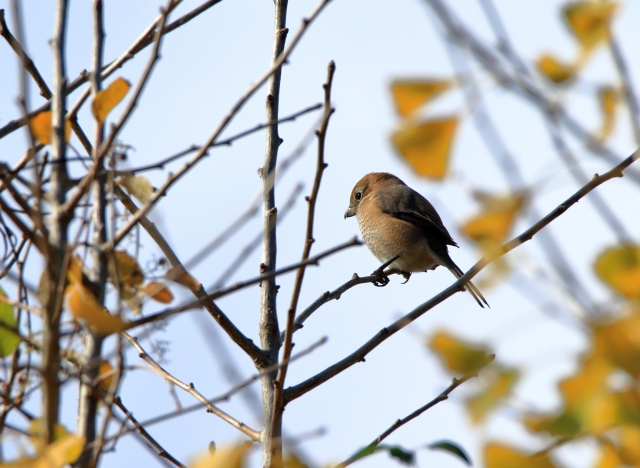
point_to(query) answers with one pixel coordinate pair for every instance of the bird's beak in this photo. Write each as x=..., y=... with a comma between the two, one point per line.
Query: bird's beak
x=350, y=212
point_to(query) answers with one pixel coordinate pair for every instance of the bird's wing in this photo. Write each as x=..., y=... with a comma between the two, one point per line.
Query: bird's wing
x=402, y=202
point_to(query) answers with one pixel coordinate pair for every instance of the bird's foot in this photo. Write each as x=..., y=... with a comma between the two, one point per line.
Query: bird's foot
x=382, y=278
x=406, y=275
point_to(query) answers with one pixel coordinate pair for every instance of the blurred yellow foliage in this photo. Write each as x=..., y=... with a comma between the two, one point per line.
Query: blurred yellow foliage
x=40, y=126
x=589, y=21
x=480, y=405
x=609, y=457
x=491, y=227
x=608, y=98
x=139, y=187
x=109, y=98
x=555, y=70
x=619, y=267
x=409, y=95
x=158, y=292
x=226, y=457
x=458, y=356
x=87, y=310
x=500, y=456
x=619, y=342
x=426, y=146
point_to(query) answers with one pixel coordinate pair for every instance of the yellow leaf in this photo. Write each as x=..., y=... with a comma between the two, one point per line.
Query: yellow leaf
x=500, y=388
x=630, y=445
x=226, y=457
x=589, y=405
x=74, y=270
x=109, y=98
x=139, y=187
x=491, y=227
x=158, y=292
x=183, y=278
x=426, y=146
x=60, y=453
x=457, y=355
x=619, y=267
x=608, y=456
x=619, y=342
x=499, y=456
x=128, y=271
x=554, y=69
x=411, y=94
x=105, y=375
x=608, y=98
x=86, y=309
x=589, y=21
x=40, y=126
x=36, y=430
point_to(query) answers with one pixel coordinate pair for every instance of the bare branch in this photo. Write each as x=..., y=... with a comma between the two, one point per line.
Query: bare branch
x=143, y=432
x=190, y=388
x=278, y=383
x=140, y=44
x=241, y=285
x=27, y=63
x=203, y=151
x=401, y=422
x=105, y=145
x=234, y=333
x=358, y=355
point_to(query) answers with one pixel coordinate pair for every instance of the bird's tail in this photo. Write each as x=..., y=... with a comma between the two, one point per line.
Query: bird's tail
x=470, y=287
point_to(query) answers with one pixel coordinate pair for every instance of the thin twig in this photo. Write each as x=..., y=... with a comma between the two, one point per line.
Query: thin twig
x=105, y=146
x=27, y=63
x=143, y=432
x=278, y=383
x=401, y=422
x=203, y=151
x=253, y=209
x=227, y=142
x=241, y=285
x=359, y=355
x=521, y=85
x=140, y=44
x=247, y=345
x=631, y=97
x=244, y=254
x=190, y=388
x=226, y=396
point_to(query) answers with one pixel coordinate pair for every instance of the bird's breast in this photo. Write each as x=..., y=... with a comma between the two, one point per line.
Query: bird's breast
x=386, y=237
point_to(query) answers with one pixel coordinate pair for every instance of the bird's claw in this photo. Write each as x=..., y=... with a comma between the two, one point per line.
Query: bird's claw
x=383, y=278
x=379, y=272
x=406, y=276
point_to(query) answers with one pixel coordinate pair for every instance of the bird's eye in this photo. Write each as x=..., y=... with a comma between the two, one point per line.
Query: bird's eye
x=358, y=195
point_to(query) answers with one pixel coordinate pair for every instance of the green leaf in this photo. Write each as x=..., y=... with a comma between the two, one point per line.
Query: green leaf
x=401, y=454
x=405, y=456
x=452, y=448
x=8, y=340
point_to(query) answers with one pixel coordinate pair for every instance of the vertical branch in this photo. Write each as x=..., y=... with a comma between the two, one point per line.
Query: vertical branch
x=627, y=86
x=58, y=230
x=269, y=330
x=278, y=403
x=88, y=400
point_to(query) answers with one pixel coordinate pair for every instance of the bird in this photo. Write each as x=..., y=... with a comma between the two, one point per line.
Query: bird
x=397, y=222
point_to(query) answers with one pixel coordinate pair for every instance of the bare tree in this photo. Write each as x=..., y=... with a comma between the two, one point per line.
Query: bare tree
x=77, y=217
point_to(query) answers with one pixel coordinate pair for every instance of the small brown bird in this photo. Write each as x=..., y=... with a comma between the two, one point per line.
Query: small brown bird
x=395, y=220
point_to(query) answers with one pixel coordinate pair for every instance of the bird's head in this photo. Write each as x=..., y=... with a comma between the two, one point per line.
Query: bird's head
x=366, y=187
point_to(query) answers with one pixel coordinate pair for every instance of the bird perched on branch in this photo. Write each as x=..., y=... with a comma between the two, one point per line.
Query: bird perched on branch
x=395, y=220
